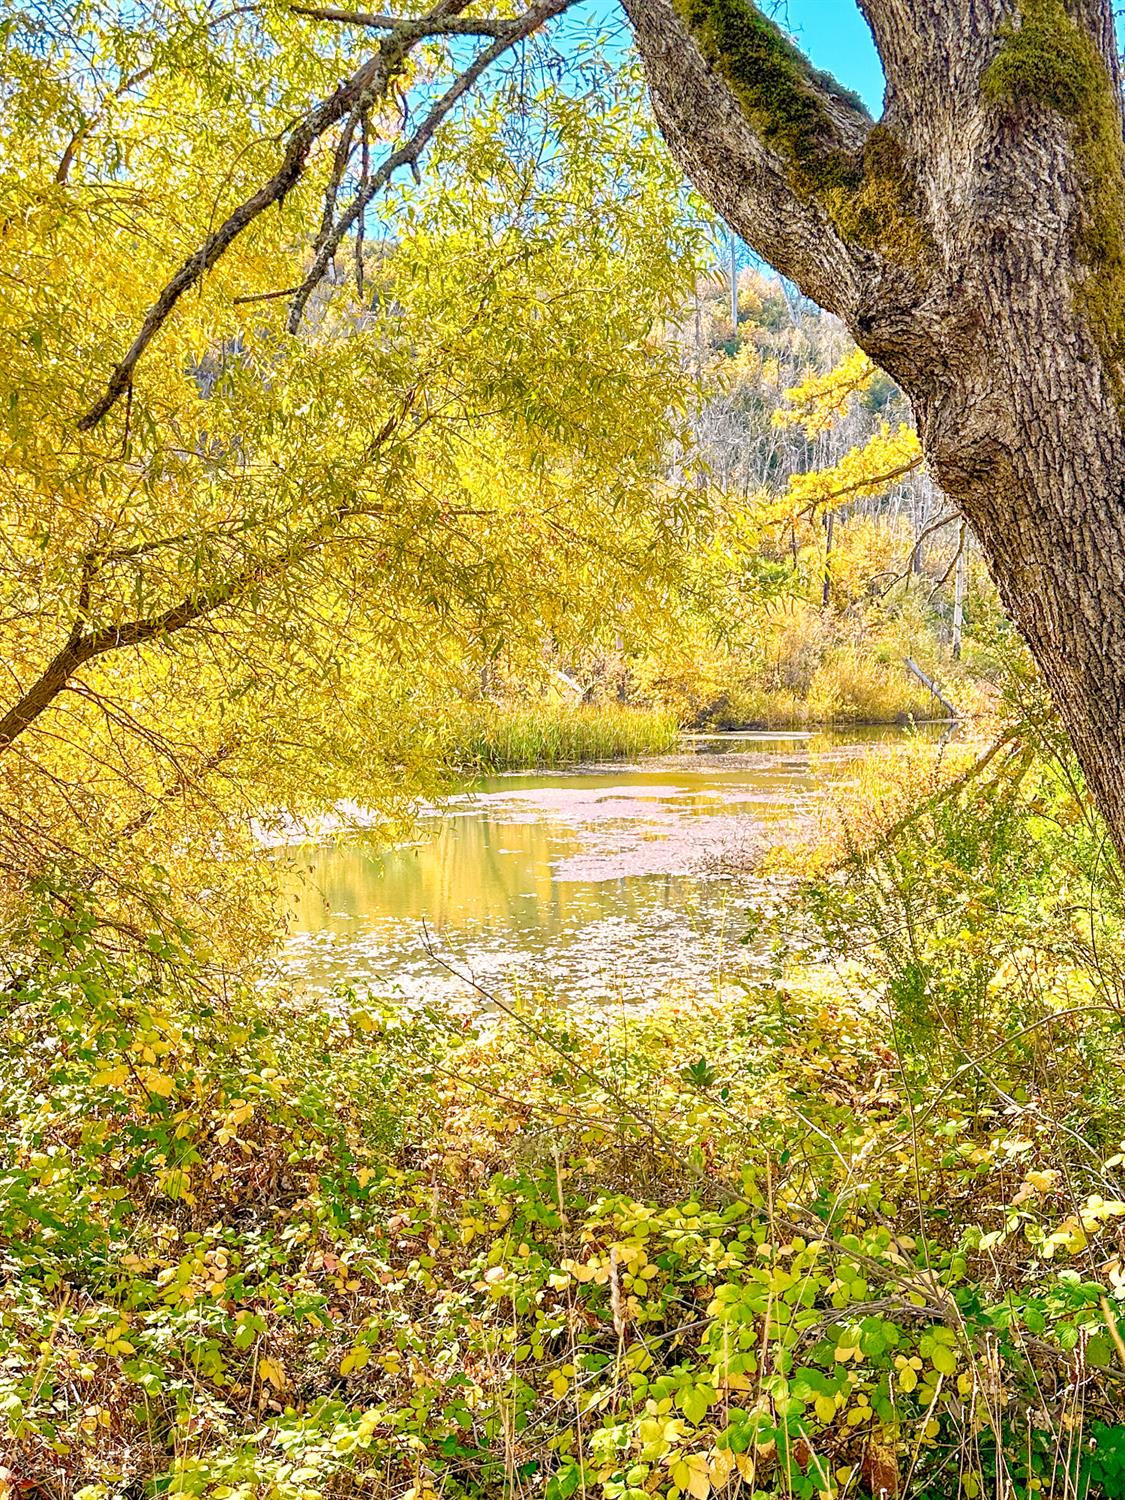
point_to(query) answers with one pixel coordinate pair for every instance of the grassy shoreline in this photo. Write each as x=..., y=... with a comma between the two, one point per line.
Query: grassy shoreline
x=497, y=737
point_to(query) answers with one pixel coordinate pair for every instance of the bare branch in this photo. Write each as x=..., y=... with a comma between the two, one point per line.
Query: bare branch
x=285, y=291
x=896, y=578
x=339, y=166
x=454, y=26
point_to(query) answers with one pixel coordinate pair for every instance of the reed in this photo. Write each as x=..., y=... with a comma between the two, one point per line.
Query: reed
x=501, y=737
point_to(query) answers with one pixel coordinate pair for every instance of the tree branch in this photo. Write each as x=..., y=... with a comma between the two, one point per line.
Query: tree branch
x=455, y=26
x=354, y=98
x=83, y=645
x=888, y=476
x=179, y=789
x=369, y=82
x=775, y=145
x=408, y=153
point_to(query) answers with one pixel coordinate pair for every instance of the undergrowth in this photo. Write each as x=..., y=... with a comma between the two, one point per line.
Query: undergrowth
x=805, y=666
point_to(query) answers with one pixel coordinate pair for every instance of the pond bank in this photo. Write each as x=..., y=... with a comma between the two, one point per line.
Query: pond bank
x=499, y=737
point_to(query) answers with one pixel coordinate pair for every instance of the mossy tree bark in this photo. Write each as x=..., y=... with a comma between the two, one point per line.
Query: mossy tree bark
x=973, y=241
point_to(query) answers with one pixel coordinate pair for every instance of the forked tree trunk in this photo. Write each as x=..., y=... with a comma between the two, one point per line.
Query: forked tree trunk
x=973, y=242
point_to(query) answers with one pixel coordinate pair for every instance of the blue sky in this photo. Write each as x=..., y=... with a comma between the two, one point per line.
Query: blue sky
x=835, y=36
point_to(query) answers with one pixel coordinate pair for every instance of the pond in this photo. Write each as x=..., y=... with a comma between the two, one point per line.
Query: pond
x=607, y=881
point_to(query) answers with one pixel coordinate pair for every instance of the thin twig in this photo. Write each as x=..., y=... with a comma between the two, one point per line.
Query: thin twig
x=455, y=26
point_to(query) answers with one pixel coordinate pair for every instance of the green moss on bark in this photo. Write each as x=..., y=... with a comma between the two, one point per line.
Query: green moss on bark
x=869, y=196
x=775, y=87
x=1046, y=58
x=881, y=211
x=1050, y=61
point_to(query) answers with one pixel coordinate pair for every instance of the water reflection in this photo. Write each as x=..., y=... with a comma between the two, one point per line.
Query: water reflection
x=600, y=881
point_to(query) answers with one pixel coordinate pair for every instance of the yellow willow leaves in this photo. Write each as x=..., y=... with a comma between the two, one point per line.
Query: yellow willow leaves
x=338, y=529
x=864, y=471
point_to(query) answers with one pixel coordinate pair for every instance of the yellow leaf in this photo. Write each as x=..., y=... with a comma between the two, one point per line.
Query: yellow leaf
x=691, y=1474
x=111, y=1077
x=720, y=1467
x=869, y=469
x=699, y=1484
x=176, y=1183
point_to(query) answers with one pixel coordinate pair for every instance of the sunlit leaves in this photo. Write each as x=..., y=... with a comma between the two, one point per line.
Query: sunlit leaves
x=871, y=469
x=819, y=400
x=452, y=472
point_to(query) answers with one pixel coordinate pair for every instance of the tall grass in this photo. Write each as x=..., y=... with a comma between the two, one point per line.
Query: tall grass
x=802, y=665
x=499, y=737
x=848, y=686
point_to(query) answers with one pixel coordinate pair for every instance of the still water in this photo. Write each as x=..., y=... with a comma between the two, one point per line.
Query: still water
x=606, y=881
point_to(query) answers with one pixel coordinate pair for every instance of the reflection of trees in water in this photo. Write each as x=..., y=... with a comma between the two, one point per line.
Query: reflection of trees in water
x=569, y=875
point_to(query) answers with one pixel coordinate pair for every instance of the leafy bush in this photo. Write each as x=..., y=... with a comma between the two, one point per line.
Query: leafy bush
x=795, y=665
x=254, y=1248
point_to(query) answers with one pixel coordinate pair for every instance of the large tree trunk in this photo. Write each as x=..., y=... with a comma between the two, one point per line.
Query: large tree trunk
x=973, y=243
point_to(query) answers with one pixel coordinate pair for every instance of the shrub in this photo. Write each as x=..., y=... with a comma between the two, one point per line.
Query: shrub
x=260, y=1249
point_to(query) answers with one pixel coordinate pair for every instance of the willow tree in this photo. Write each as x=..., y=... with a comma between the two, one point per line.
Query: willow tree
x=973, y=241
x=259, y=580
